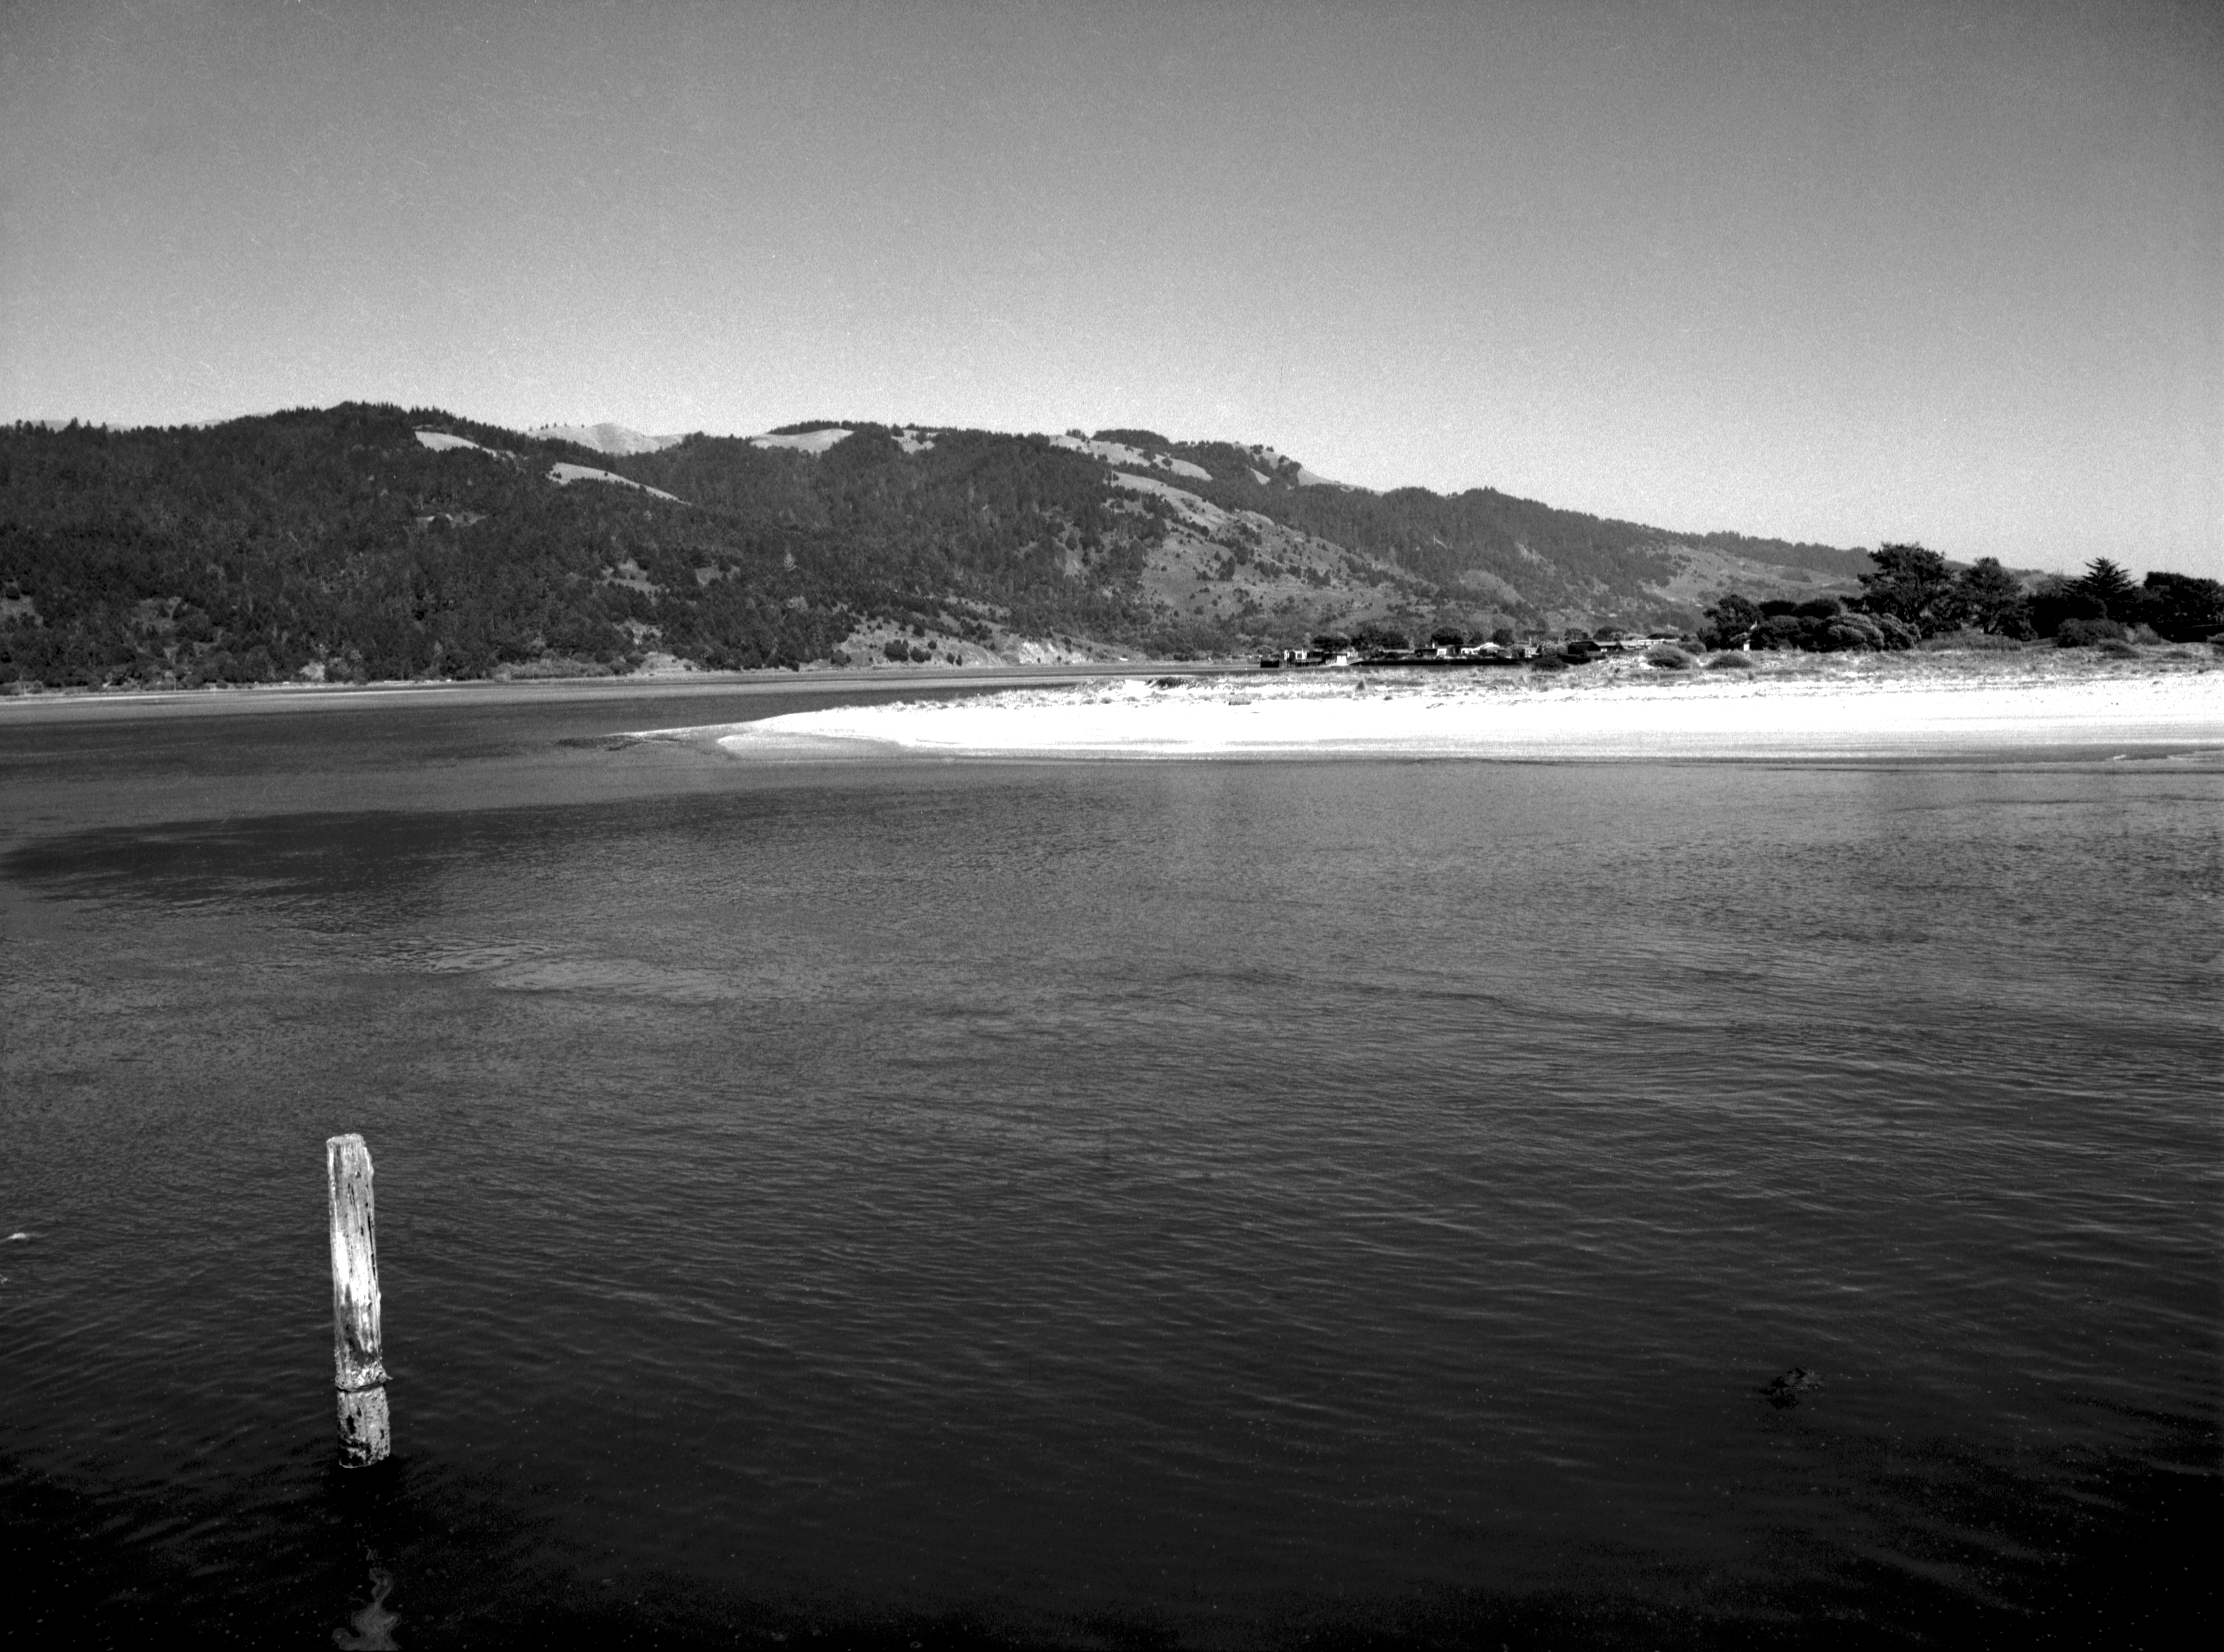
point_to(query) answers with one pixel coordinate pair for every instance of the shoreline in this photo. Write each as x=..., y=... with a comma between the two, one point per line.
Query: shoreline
x=56, y=706
x=1856, y=709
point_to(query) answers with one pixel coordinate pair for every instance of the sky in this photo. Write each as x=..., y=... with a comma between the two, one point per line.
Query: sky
x=1849, y=272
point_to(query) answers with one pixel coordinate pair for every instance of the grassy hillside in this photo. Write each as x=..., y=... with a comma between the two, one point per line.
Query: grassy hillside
x=337, y=543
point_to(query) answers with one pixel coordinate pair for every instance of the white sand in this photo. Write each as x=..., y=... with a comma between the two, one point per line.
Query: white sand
x=1510, y=715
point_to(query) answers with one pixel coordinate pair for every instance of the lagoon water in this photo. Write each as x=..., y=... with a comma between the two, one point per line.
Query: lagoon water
x=1217, y=1204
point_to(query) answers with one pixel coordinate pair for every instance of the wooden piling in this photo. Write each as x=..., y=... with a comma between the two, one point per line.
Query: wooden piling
x=358, y=1364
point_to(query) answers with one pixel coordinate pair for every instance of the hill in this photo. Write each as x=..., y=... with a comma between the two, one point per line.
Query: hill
x=604, y=438
x=372, y=542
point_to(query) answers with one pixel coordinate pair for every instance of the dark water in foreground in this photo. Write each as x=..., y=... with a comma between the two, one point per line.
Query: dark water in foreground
x=1211, y=1204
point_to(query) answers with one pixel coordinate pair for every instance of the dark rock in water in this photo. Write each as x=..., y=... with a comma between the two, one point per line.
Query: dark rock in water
x=1786, y=1390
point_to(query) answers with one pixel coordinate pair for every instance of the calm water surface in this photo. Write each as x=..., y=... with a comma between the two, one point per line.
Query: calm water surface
x=1111, y=1204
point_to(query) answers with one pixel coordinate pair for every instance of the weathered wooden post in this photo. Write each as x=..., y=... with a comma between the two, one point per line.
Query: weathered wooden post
x=358, y=1368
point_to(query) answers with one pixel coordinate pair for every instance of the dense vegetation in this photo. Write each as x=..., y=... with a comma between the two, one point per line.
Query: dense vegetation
x=1909, y=594
x=335, y=543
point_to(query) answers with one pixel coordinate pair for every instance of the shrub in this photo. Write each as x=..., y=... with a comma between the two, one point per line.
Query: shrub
x=839, y=657
x=2055, y=603
x=1549, y=662
x=895, y=649
x=1668, y=657
x=1845, y=633
x=2084, y=633
x=1733, y=662
x=2112, y=646
x=1982, y=641
x=921, y=656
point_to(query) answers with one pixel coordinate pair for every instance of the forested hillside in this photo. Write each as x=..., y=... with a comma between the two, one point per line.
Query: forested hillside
x=366, y=542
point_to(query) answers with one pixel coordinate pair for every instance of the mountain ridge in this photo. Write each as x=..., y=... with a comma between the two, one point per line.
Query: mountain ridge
x=605, y=438
x=368, y=539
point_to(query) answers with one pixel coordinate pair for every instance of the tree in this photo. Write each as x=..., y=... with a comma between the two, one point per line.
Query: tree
x=2055, y=599
x=2182, y=607
x=2107, y=583
x=1909, y=583
x=1730, y=621
x=1987, y=596
x=1447, y=636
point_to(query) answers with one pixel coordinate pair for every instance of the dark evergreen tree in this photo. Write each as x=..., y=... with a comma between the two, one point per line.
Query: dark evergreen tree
x=2055, y=600
x=2107, y=584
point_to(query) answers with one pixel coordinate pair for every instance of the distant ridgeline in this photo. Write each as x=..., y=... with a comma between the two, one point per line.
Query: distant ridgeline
x=365, y=542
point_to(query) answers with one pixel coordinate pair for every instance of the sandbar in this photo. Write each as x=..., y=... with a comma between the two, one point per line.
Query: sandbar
x=1874, y=708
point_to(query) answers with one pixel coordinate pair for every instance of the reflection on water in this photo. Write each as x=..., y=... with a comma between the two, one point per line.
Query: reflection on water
x=370, y=1628
x=1181, y=1203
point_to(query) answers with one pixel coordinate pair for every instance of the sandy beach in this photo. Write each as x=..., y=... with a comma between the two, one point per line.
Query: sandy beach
x=1786, y=708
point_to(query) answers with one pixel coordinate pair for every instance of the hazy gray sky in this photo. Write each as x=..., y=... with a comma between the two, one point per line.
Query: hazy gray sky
x=1846, y=271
